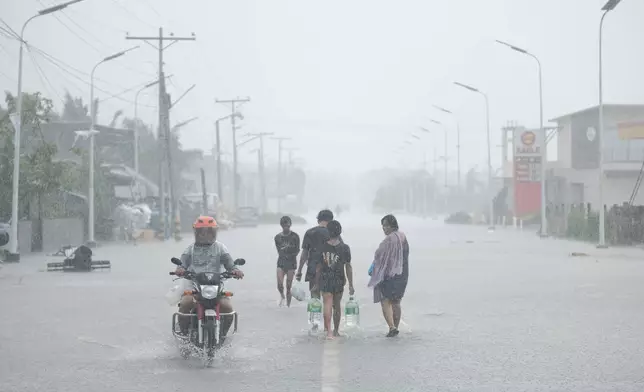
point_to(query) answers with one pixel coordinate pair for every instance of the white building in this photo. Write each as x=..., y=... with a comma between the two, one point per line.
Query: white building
x=574, y=176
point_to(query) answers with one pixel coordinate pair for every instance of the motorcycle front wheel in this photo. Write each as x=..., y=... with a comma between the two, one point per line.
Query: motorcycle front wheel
x=209, y=343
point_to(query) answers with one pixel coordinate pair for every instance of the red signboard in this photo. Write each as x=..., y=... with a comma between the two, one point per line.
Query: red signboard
x=528, y=147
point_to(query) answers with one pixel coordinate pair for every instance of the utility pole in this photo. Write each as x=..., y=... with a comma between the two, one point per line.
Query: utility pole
x=279, y=171
x=170, y=173
x=164, y=115
x=233, y=103
x=290, y=155
x=424, y=178
x=260, y=170
x=458, y=154
x=204, y=192
x=262, y=176
x=220, y=189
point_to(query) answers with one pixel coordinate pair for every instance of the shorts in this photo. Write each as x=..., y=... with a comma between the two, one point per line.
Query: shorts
x=287, y=267
x=393, y=288
x=331, y=283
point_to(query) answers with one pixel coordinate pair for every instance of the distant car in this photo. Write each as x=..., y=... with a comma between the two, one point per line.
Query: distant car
x=4, y=234
x=246, y=217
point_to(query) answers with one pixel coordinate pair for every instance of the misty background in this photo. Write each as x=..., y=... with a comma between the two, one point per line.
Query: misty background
x=347, y=80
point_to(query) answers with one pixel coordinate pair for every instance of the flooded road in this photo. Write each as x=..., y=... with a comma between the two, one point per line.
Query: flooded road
x=500, y=311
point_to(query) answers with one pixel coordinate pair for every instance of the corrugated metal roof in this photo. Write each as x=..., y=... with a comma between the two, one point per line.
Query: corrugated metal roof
x=594, y=108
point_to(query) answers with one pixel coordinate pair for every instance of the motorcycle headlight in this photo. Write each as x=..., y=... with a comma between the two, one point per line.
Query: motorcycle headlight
x=209, y=292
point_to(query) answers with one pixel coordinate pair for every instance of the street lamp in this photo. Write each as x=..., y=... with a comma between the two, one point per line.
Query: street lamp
x=445, y=139
x=609, y=6
x=90, y=241
x=13, y=254
x=544, y=152
x=458, y=143
x=489, y=150
x=434, y=159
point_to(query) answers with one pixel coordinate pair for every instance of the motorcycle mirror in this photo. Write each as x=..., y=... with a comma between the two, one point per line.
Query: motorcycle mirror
x=240, y=262
x=175, y=261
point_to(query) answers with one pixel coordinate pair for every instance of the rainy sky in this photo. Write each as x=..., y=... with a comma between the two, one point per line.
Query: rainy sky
x=348, y=81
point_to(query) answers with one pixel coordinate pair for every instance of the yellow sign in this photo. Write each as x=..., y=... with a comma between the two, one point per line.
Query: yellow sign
x=631, y=130
x=528, y=138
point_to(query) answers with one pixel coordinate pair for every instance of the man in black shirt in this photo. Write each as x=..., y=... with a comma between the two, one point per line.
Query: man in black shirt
x=312, y=243
x=332, y=273
x=287, y=244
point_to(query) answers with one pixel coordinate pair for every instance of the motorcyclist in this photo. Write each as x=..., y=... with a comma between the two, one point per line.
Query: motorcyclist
x=206, y=254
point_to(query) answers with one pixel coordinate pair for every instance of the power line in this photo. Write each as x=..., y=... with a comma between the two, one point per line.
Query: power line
x=61, y=64
x=117, y=95
x=149, y=5
x=57, y=63
x=131, y=13
x=6, y=33
x=69, y=81
x=8, y=77
x=72, y=31
x=44, y=79
x=95, y=38
x=11, y=31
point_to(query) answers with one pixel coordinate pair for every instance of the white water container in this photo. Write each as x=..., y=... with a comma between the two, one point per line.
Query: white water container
x=173, y=296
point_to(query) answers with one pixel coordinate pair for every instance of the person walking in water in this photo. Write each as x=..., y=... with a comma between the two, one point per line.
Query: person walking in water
x=330, y=277
x=312, y=243
x=390, y=273
x=287, y=243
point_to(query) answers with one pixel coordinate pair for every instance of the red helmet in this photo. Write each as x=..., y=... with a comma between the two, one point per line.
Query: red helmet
x=205, y=222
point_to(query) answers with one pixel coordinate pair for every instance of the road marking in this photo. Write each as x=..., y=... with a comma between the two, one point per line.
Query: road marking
x=330, y=367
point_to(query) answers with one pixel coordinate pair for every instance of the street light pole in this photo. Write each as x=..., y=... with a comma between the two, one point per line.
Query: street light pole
x=458, y=143
x=279, y=171
x=262, y=176
x=544, y=147
x=91, y=242
x=489, y=150
x=434, y=160
x=445, y=147
x=609, y=6
x=13, y=254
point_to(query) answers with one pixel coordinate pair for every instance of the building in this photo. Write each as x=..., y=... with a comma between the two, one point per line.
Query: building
x=574, y=177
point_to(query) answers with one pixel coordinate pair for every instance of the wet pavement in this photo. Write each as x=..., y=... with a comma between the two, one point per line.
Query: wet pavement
x=502, y=311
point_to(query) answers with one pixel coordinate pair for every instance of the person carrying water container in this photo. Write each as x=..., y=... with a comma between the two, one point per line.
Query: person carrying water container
x=331, y=275
x=314, y=239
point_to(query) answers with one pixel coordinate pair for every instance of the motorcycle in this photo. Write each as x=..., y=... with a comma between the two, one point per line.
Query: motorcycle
x=204, y=332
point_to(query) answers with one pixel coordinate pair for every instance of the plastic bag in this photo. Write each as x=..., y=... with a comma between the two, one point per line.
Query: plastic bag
x=298, y=292
x=173, y=296
x=371, y=268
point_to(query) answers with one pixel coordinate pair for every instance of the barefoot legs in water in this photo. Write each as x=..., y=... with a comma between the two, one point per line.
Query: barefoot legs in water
x=289, y=284
x=337, y=312
x=397, y=312
x=280, y=284
x=388, y=313
x=327, y=299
